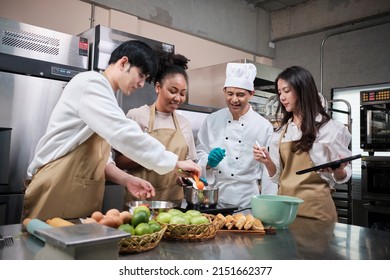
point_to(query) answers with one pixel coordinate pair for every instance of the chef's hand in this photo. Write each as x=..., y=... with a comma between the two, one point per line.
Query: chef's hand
x=186, y=168
x=215, y=157
x=140, y=188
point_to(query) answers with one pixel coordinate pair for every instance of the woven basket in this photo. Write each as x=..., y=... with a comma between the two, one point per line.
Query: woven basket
x=142, y=243
x=193, y=232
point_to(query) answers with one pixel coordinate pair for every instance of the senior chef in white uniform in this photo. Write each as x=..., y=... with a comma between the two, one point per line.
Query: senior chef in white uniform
x=226, y=140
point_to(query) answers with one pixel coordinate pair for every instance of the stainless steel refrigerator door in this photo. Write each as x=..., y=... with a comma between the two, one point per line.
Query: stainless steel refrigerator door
x=25, y=106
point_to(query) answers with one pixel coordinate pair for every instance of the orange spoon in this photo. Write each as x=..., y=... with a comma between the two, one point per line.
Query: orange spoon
x=199, y=184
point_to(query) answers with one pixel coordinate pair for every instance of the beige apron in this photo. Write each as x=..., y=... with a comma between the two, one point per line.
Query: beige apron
x=310, y=187
x=166, y=185
x=71, y=186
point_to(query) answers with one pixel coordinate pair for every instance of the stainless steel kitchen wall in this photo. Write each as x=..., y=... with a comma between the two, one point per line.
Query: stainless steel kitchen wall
x=103, y=41
x=206, y=84
x=35, y=65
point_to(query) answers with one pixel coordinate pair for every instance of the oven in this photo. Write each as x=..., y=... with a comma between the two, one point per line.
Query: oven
x=375, y=192
x=375, y=120
x=375, y=178
x=375, y=169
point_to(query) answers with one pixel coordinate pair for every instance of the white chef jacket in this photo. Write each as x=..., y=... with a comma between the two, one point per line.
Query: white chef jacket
x=331, y=142
x=237, y=174
x=87, y=105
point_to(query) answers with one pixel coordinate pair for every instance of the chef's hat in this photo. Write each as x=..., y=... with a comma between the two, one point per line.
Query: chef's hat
x=240, y=75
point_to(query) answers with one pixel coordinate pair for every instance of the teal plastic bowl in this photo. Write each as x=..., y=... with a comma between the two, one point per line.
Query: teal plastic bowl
x=277, y=211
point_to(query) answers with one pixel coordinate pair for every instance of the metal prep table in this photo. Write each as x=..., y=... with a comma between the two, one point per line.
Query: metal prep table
x=304, y=239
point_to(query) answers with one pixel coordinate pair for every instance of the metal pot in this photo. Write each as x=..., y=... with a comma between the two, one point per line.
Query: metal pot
x=156, y=206
x=208, y=197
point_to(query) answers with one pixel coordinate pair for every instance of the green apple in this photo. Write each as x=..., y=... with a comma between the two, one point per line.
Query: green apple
x=198, y=220
x=175, y=212
x=179, y=220
x=164, y=218
x=193, y=213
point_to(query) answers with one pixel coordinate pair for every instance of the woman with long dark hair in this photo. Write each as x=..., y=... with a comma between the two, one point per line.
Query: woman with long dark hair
x=307, y=136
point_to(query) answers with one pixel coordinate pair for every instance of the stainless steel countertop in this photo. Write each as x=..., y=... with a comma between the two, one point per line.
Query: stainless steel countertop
x=304, y=239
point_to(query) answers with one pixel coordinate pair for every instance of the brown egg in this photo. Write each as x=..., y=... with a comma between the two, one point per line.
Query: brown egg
x=108, y=221
x=118, y=220
x=126, y=216
x=113, y=212
x=97, y=216
x=89, y=221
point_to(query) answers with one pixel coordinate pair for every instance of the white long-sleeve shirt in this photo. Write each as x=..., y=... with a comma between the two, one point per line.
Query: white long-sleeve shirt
x=332, y=142
x=237, y=174
x=87, y=105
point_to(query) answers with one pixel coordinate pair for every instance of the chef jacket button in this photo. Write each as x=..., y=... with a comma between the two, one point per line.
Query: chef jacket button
x=226, y=138
x=236, y=157
x=219, y=172
x=229, y=121
x=232, y=175
x=239, y=141
x=242, y=124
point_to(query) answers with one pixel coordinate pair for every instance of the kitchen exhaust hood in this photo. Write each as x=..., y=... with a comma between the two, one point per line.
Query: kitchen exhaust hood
x=206, y=85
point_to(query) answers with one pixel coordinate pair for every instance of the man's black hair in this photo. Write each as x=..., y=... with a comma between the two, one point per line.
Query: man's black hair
x=139, y=54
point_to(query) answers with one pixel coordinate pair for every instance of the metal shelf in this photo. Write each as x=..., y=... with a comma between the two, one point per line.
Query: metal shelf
x=342, y=197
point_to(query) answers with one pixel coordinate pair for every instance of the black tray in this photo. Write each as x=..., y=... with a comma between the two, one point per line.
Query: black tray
x=333, y=164
x=225, y=209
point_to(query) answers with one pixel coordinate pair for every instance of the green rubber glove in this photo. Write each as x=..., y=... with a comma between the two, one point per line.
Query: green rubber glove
x=215, y=157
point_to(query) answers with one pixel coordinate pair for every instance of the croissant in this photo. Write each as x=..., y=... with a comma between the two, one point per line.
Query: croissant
x=257, y=225
x=230, y=221
x=240, y=220
x=249, y=221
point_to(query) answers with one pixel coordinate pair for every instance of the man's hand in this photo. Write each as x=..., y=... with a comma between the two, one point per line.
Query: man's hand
x=215, y=157
x=186, y=168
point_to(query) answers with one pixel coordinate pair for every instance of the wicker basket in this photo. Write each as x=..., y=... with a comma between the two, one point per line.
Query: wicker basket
x=193, y=232
x=142, y=243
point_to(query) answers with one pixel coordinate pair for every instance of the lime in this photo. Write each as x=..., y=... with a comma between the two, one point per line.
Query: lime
x=142, y=208
x=127, y=228
x=155, y=226
x=143, y=228
x=139, y=217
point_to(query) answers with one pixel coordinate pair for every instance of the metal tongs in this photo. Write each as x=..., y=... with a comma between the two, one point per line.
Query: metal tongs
x=191, y=182
x=6, y=240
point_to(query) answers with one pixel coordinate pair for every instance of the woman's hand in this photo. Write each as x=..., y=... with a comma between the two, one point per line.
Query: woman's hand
x=261, y=155
x=338, y=173
x=140, y=188
x=136, y=186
